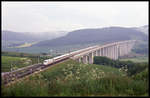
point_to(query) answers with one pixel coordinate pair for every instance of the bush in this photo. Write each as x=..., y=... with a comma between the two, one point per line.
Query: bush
x=133, y=68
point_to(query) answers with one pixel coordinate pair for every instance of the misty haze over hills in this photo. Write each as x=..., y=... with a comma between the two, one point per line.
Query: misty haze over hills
x=143, y=29
x=10, y=38
x=29, y=36
x=81, y=36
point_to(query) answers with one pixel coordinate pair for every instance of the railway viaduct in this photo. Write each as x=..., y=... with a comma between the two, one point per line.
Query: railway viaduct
x=86, y=55
x=112, y=51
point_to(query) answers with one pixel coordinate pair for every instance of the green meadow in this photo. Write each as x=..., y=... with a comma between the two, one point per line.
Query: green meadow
x=137, y=59
x=71, y=78
x=16, y=62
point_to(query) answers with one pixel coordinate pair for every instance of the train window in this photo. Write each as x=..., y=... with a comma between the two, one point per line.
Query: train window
x=45, y=61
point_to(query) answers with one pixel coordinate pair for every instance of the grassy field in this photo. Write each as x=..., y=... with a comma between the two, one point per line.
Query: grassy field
x=76, y=79
x=17, y=62
x=26, y=45
x=136, y=59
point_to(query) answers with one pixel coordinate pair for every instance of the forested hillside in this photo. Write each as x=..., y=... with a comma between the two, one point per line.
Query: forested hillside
x=103, y=35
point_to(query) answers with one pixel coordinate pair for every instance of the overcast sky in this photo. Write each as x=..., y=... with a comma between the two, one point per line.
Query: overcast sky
x=57, y=16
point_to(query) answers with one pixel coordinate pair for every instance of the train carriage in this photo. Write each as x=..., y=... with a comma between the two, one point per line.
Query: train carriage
x=56, y=59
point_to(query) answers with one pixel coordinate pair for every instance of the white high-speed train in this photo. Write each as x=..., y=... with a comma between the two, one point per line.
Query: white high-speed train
x=56, y=59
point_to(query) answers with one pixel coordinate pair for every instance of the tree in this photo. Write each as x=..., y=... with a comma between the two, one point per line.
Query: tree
x=44, y=53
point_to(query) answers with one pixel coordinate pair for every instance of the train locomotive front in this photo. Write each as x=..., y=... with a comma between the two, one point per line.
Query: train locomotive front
x=56, y=59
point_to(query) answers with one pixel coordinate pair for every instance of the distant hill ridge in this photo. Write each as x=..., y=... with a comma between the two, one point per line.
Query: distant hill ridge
x=143, y=29
x=83, y=36
x=29, y=36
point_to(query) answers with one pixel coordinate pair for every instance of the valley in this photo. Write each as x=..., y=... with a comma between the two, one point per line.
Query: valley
x=69, y=41
x=105, y=77
x=76, y=49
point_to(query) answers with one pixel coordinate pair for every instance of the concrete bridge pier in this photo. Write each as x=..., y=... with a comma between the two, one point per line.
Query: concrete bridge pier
x=98, y=54
x=125, y=49
x=85, y=61
x=109, y=52
x=113, y=51
x=117, y=50
x=113, y=56
x=121, y=50
x=105, y=51
x=79, y=60
x=91, y=57
x=94, y=53
x=101, y=51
